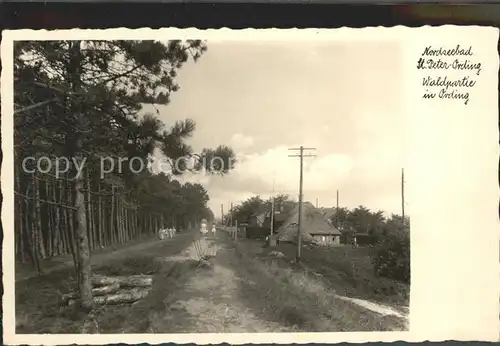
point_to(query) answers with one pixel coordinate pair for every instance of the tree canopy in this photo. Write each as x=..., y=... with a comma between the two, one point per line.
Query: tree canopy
x=256, y=205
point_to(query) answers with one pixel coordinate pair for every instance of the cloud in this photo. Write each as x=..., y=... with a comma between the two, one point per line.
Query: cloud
x=360, y=179
x=241, y=142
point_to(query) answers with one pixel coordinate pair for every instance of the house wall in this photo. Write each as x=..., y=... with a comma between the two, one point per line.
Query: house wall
x=254, y=222
x=333, y=239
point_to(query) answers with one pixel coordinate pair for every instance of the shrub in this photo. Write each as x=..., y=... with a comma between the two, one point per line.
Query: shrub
x=391, y=256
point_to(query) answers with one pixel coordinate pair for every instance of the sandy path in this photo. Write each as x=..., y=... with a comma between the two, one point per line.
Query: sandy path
x=375, y=307
x=402, y=311
x=209, y=303
x=380, y=309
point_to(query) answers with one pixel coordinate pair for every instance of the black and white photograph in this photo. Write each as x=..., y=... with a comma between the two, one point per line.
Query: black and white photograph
x=193, y=186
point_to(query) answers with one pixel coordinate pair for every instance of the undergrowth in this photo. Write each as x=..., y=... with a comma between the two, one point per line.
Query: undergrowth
x=278, y=291
x=349, y=271
x=38, y=299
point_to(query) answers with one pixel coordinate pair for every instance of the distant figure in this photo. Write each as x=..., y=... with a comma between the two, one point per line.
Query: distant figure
x=203, y=228
x=213, y=230
x=162, y=233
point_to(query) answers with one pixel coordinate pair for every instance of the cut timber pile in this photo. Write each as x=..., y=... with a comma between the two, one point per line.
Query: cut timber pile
x=115, y=289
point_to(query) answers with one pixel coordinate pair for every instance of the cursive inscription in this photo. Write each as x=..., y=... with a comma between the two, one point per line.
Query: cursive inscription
x=441, y=60
x=441, y=51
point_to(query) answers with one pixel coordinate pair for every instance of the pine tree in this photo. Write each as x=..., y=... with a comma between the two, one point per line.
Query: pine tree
x=83, y=100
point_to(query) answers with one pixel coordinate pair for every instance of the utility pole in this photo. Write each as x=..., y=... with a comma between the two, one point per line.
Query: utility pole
x=222, y=215
x=236, y=233
x=337, y=211
x=272, y=205
x=403, y=194
x=301, y=155
x=316, y=202
x=231, y=213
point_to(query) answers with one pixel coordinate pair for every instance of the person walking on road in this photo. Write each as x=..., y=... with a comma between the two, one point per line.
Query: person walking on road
x=203, y=228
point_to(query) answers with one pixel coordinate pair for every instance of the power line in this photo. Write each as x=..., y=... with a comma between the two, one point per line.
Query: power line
x=301, y=156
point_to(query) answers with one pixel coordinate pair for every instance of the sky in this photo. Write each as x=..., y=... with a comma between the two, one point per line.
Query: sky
x=261, y=98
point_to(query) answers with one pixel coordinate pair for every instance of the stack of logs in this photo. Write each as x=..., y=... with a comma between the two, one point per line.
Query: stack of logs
x=115, y=289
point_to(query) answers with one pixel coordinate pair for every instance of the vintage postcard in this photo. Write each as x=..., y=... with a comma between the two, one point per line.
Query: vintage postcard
x=250, y=186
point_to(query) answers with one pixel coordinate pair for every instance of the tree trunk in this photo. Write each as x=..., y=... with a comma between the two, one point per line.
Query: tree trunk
x=90, y=238
x=123, y=281
x=125, y=222
x=98, y=291
x=84, y=267
x=125, y=297
x=121, y=230
x=112, y=218
x=50, y=213
x=71, y=227
x=135, y=225
x=19, y=227
x=106, y=222
x=38, y=219
x=67, y=233
x=117, y=220
x=57, y=220
x=19, y=232
x=100, y=220
x=34, y=223
x=93, y=227
x=30, y=239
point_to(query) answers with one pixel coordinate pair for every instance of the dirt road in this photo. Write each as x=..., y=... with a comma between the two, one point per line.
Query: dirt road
x=209, y=302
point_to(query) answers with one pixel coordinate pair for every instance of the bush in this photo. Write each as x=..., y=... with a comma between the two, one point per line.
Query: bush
x=391, y=257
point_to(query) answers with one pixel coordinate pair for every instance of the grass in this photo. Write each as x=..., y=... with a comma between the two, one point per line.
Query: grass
x=349, y=271
x=25, y=270
x=38, y=299
x=280, y=292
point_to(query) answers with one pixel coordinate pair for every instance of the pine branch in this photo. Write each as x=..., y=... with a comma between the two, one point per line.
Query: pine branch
x=111, y=79
x=36, y=105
